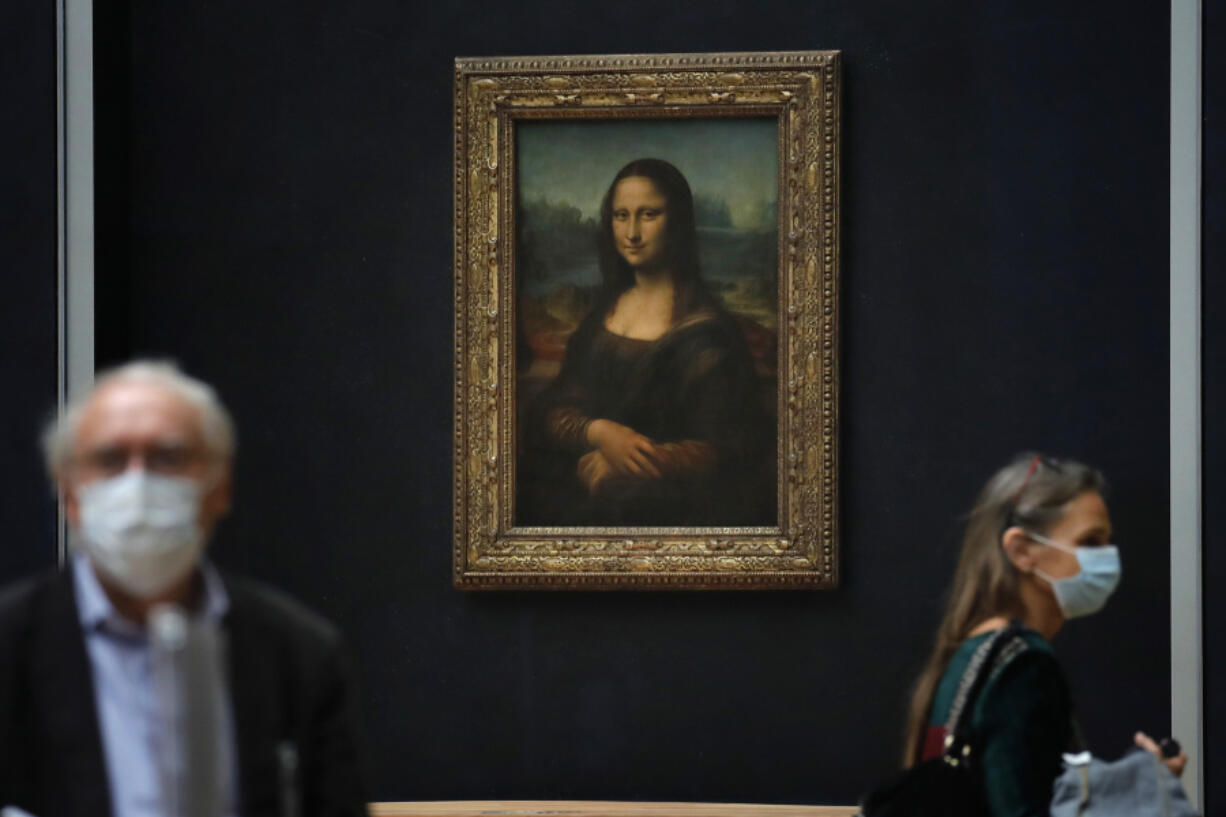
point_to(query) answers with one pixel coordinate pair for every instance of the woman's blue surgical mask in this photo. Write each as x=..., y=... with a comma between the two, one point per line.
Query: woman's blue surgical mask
x=1088, y=590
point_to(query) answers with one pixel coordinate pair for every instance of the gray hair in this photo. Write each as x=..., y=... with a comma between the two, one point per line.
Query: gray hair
x=1033, y=490
x=216, y=425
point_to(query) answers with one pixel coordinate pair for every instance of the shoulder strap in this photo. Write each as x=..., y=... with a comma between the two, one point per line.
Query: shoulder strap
x=991, y=657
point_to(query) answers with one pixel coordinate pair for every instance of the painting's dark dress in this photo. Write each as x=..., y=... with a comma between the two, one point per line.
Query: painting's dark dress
x=693, y=392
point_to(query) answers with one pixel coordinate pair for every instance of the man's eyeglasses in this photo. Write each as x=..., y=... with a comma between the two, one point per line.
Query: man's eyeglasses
x=170, y=459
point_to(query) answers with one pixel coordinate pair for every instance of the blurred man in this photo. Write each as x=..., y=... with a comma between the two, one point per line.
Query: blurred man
x=144, y=463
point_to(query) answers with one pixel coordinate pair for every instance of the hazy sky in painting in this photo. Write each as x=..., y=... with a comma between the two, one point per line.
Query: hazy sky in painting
x=574, y=161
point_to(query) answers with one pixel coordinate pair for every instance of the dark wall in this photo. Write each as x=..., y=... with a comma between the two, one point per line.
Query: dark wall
x=275, y=202
x=1213, y=369
x=28, y=327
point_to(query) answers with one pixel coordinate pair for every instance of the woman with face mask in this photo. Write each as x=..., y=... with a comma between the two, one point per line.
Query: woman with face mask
x=1036, y=551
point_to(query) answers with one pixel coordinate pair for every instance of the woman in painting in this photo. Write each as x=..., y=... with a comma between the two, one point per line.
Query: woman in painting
x=656, y=416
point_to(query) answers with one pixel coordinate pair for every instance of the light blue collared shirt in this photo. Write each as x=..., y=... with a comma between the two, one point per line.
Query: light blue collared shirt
x=122, y=663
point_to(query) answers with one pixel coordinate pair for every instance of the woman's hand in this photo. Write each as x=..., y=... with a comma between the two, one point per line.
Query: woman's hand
x=625, y=451
x=594, y=471
x=1175, y=764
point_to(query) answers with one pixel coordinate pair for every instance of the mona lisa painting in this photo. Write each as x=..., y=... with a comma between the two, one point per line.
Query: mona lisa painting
x=646, y=321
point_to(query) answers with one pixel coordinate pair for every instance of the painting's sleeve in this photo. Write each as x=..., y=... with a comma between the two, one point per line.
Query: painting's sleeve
x=566, y=426
x=561, y=414
x=685, y=458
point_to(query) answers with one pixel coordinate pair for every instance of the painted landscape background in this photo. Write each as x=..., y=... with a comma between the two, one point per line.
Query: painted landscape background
x=564, y=169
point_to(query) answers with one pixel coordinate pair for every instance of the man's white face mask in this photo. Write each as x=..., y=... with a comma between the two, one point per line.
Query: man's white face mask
x=142, y=530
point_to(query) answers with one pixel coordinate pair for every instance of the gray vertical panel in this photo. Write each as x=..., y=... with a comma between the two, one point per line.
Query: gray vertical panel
x=61, y=247
x=76, y=128
x=1186, y=673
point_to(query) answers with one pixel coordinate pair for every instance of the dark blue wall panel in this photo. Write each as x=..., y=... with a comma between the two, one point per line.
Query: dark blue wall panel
x=28, y=327
x=278, y=217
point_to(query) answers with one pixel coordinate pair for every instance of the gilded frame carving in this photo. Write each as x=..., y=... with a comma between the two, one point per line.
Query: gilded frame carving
x=802, y=91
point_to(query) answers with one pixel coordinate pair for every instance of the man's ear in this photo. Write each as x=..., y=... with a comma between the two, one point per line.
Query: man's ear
x=1019, y=548
x=72, y=506
x=67, y=485
x=218, y=497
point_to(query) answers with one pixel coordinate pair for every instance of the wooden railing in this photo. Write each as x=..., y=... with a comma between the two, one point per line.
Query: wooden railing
x=591, y=808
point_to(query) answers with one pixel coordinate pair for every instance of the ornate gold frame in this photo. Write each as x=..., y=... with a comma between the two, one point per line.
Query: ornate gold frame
x=802, y=89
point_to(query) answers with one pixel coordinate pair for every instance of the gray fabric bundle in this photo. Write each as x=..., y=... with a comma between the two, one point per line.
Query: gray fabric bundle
x=1136, y=785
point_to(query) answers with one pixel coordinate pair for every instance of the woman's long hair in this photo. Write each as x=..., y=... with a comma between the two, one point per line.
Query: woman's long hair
x=1032, y=492
x=680, y=241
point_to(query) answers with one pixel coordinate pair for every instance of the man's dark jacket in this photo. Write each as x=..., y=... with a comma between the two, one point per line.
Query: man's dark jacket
x=288, y=682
